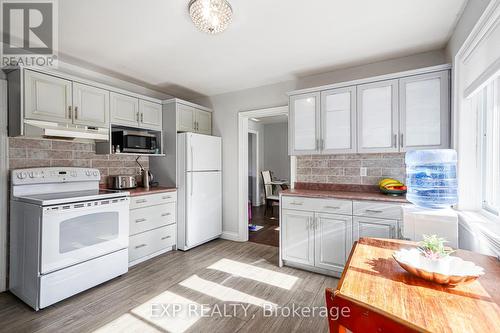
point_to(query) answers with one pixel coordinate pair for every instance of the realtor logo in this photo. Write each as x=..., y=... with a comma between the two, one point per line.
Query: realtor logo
x=29, y=32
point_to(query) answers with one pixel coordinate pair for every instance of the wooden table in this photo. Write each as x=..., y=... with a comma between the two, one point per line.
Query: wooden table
x=382, y=297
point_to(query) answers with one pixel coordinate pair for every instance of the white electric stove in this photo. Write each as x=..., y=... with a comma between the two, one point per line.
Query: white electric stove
x=66, y=234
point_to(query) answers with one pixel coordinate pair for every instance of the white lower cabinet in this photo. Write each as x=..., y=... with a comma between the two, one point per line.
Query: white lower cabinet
x=298, y=236
x=333, y=241
x=314, y=238
x=152, y=225
x=372, y=227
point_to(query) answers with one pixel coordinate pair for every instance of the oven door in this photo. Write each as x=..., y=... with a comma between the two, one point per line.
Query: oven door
x=74, y=233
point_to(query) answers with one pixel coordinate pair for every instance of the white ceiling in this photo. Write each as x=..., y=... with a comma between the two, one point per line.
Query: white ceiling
x=154, y=42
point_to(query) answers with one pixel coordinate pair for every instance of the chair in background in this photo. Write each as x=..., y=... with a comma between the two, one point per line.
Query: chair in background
x=272, y=200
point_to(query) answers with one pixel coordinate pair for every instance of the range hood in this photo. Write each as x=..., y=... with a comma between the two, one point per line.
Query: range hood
x=46, y=129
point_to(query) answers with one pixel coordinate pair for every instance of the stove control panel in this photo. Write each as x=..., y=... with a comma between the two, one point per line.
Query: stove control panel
x=54, y=175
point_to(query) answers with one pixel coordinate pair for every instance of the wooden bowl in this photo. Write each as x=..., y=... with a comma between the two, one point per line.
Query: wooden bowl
x=446, y=271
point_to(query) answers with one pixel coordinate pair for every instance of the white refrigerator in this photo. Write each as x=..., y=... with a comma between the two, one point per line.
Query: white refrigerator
x=199, y=183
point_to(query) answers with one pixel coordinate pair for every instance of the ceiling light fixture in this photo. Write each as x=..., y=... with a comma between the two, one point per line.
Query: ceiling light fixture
x=211, y=16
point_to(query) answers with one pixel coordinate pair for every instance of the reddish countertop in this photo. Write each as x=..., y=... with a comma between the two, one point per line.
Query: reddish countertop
x=349, y=192
x=152, y=190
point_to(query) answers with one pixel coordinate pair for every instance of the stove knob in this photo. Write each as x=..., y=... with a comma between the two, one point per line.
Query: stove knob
x=96, y=173
x=87, y=173
x=31, y=174
x=22, y=175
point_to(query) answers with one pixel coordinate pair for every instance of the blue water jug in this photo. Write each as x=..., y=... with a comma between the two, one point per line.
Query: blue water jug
x=431, y=178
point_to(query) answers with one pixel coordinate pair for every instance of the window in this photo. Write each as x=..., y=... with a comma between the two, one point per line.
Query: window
x=488, y=105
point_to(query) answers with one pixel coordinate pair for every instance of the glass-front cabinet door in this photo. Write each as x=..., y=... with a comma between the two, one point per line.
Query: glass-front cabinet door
x=425, y=111
x=304, y=123
x=338, y=119
x=378, y=126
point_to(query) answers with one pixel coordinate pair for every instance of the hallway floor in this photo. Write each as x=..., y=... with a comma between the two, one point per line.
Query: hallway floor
x=269, y=235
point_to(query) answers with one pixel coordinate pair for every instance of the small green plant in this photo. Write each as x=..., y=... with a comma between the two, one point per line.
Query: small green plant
x=433, y=247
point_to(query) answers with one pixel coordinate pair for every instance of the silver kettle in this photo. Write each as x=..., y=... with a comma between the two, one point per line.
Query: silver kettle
x=147, y=178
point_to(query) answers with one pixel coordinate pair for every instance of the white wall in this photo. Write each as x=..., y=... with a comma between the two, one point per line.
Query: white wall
x=227, y=106
x=276, y=157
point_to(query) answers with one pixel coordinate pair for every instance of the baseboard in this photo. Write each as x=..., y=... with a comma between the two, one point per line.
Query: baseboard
x=232, y=236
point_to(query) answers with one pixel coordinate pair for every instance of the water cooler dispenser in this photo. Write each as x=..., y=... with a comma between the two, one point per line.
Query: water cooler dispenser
x=432, y=188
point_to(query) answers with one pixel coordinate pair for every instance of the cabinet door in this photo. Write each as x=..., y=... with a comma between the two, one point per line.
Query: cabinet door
x=47, y=97
x=338, y=119
x=124, y=110
x=203, y=122
x=185, y=118
x=333, y=241
x=425, y=111
x=91, y=105
x=378, y=125
x=150, y=115
x=375, y=228
x=297, y=237
x=304, y=129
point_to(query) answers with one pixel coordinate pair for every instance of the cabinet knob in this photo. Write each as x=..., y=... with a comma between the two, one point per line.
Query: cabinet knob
x=76, y=112
x=139, y=246
x=140, y=220
x=165, y=214
x=166, y=237
x=373, y=211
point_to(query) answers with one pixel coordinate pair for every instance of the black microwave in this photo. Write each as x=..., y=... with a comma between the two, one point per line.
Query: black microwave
x=135, y=142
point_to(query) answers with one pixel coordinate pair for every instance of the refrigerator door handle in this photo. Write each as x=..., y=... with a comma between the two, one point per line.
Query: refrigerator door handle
x=191, y=183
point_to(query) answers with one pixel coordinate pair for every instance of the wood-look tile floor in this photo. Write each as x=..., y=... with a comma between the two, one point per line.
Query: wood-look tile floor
x=220, y=273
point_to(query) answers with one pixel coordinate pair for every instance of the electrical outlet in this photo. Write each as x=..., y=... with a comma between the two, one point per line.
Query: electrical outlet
x=363, y=172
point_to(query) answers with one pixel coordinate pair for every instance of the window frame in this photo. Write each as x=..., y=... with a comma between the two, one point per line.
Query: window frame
x=490, y=90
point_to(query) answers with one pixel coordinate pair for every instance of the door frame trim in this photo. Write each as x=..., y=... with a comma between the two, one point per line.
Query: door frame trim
x=243, y=117
x=4, y=170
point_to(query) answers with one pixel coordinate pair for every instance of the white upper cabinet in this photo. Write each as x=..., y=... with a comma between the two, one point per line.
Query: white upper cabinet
x=425, y=112
x=203, y=122
x=333, y=241
x=304, y=127
x=378, y=125
x=124, y=110
x=338, y=120
x=191, y=119
x=47, y=97
x=185, y=118
x=90, y=105
x=397, y=114
x=150, y=115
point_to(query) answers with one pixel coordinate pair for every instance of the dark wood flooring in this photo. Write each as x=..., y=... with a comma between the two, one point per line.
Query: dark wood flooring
x=219, y=273
x=268, y=235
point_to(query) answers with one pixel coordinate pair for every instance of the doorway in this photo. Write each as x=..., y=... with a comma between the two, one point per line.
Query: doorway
x=253, y=149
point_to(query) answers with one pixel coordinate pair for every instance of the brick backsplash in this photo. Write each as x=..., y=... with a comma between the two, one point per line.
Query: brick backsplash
x=30, y=153
x=346, y=168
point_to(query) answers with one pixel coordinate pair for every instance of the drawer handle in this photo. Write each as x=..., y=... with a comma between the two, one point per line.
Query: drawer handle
x=166, y=237
x=373, y=211
x=140, y=220
x=141, y=201
x=166, y=197
x=296, y=203
x=165, y=214
x=332, y=207
x=139, y=246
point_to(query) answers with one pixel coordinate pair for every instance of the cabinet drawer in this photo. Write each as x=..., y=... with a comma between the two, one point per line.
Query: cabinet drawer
x=143, y=219
x=152, y=199
x=377, y=210
x=335, y=206
x=152, y=241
